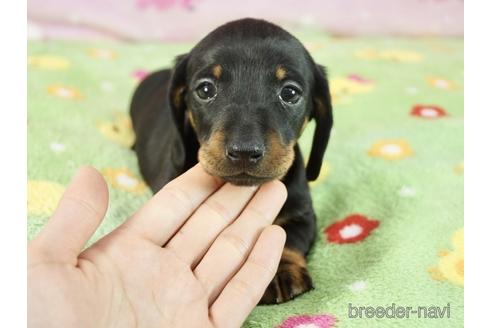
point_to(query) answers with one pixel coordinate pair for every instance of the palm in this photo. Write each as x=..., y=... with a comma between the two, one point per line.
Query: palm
x=165, y=280
x=215, y=264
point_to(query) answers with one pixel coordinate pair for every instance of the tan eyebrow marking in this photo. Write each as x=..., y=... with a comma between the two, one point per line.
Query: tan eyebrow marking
x=280, y=73
x=217, y=71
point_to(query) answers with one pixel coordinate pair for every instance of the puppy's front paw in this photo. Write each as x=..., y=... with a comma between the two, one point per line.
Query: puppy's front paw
x=291, y=280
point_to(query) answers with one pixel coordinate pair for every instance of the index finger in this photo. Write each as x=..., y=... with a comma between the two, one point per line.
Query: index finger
x=164, y=213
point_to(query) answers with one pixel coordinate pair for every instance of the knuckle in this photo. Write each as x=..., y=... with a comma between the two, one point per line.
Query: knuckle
x=264, y=269
x=236, y=242
x=247, y=292
x=180, y=196
x=260, y=216
x=83, y=205
x=217, y=209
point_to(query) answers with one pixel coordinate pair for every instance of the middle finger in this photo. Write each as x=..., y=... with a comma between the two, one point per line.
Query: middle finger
x=193, y=239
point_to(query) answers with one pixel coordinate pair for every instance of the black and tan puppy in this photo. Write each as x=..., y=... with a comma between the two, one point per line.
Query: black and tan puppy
x=237, y=103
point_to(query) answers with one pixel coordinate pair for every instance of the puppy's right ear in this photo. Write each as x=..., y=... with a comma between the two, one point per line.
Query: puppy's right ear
x=177, y=91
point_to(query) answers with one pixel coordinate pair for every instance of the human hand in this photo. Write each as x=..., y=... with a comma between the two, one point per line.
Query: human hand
x=220, y=252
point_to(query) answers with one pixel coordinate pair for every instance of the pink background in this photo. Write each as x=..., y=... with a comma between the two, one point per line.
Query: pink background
x=183, y=20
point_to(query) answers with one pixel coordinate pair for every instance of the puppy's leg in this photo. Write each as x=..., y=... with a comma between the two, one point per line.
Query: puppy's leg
x=299, y=222
x=292, y=277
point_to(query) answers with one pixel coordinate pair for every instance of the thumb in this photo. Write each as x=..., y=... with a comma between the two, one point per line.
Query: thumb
x=79, y=213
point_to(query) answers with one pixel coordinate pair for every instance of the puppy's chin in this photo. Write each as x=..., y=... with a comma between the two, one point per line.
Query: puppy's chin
x=239, y=179
x=246, y=180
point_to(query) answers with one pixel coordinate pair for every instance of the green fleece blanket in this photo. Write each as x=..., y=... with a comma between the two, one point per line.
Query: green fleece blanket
x=389, y=200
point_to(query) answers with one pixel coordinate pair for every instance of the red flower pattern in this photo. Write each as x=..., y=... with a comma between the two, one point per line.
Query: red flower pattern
x=352, y=229
x=428, y=111
x=309, y=321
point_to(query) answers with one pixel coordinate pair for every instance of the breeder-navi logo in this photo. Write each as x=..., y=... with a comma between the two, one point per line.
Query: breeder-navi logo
x=399, y=312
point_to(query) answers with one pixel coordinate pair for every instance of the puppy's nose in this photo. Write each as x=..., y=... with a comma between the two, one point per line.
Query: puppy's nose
x=248, y=154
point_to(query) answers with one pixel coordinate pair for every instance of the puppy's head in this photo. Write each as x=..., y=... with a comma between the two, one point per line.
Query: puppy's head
x=248, y=90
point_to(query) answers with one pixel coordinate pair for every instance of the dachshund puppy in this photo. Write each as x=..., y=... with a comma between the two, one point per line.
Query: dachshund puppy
x=237, y=103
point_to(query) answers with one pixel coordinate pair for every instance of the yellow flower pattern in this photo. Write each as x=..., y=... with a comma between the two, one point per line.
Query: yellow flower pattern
x=451, y=263
x=43, y=197
x=400, y=56
x=124, y=179
x=48, y=62
x=396, y=55
x=460, y=168
x=119, y=131
x=64, y=92
x=391, y=149
x=441, y=83
x=343, y=88
x=104, y=54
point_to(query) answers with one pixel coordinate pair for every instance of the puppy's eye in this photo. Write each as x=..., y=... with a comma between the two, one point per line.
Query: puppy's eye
x=206, y=90
x=290, y=94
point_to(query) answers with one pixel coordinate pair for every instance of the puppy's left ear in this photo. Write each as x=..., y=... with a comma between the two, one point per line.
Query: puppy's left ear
x=322, y=114
x=177, y=91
